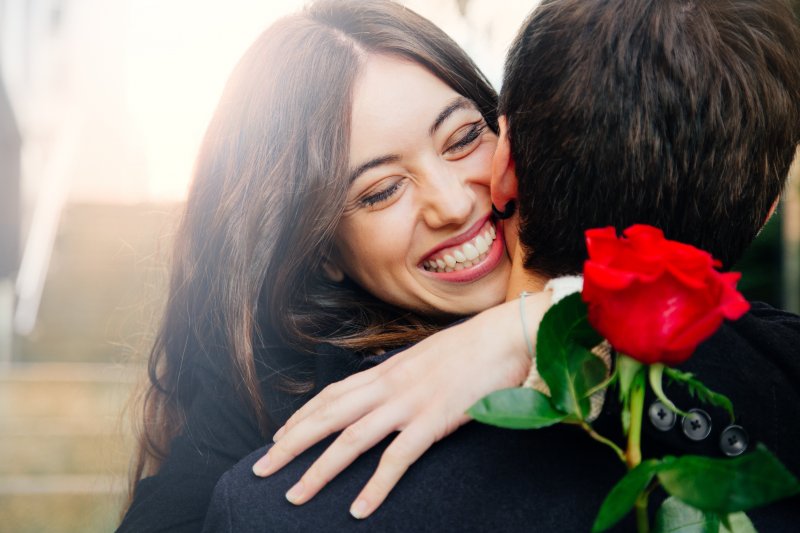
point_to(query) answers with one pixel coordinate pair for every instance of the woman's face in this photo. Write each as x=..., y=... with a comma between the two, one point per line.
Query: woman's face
x=417, y=230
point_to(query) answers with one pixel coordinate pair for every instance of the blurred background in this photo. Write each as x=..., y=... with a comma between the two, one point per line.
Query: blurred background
x=102, y=107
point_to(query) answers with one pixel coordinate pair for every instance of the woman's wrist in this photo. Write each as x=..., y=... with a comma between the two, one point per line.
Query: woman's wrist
x=532, y=309
x=508, y=336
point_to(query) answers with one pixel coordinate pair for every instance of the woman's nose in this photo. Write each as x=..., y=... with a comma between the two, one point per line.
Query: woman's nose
x=448, y=200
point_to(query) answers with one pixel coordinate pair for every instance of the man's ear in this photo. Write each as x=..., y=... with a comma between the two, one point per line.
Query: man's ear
x=332, y=271
x=504, y=176
x=772, y=209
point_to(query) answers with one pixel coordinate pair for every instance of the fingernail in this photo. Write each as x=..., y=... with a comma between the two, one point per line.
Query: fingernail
x=359, y=509
x=261, y=468
x=295, y=493
x=278, y=434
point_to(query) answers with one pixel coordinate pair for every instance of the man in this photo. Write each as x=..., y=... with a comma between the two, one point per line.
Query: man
x=681, y=114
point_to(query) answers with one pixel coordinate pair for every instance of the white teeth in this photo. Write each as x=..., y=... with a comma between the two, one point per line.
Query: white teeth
x=481, y=244
x=467, y=255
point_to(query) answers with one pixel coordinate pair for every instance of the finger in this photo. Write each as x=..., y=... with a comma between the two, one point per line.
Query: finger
x=354, y=440
x=326, y=396
x=325, y=421
x=342, y=387
x=409, y=445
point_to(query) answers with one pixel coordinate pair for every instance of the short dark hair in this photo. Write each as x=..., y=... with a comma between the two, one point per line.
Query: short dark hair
x=683, y=114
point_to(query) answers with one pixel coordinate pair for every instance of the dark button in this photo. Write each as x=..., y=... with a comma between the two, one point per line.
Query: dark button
x=733, y=441
x=662, y=418
x=697, y=425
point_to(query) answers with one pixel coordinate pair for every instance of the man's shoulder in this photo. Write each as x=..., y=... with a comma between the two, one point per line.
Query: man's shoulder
x=478, y=477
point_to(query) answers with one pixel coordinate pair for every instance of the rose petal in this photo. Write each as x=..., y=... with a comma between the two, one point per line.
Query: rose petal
x=692, y=278
x=602, y=244
x=643, y=231
x=733, y=304
x=682, y=346
x=605, y=277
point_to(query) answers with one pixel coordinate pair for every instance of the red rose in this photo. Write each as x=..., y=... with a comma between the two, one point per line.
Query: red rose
x=654, y=299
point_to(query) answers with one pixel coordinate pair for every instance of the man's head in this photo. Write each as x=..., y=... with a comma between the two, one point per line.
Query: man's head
x=683, y=114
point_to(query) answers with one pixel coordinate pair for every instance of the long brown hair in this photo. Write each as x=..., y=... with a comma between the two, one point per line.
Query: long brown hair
x=268, y=191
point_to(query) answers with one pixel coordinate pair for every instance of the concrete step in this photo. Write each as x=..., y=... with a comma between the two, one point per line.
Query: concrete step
x=105, y=285
x=65, y=446
x=87, y=453
x=31, y=393
x=65, y=418
x=60, y=504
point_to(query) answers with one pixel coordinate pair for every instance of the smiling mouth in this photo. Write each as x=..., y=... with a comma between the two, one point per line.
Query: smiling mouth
x=465, y=255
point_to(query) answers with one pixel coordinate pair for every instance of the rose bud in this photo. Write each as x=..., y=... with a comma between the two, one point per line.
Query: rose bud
x=654, y=299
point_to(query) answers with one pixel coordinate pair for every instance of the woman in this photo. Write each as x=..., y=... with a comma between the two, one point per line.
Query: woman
x=279, y=256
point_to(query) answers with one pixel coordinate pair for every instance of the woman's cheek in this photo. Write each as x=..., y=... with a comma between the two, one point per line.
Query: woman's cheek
x=479, y=164
x=373, y=240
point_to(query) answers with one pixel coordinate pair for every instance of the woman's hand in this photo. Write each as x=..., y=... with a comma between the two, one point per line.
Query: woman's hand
x=422, y=392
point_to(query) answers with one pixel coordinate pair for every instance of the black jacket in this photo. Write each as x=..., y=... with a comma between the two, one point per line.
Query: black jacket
x=481, y=477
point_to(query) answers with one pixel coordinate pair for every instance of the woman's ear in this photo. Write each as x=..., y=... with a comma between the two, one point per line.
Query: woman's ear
x=504, y=176
x=332, y=271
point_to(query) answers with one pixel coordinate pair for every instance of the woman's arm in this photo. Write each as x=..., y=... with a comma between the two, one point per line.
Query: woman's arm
x=422, y=392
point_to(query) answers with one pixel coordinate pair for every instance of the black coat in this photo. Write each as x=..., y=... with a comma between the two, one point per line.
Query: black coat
x=480, y=478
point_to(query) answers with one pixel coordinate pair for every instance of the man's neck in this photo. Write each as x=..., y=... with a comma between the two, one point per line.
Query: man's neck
x=522, y=279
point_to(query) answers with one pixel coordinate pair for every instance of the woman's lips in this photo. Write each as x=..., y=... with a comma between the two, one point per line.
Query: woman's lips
x=463, y=255
x=458, y=240
x=470, y=260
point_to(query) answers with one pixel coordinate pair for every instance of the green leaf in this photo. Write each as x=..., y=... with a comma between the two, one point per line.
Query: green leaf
x=656, y=376
x=674, y=516
x=623, y=496
x=737, y=523
x=697, y=389
x=725, y=486
x=519, y=408
x=606, y=383
x=627, y=367
x=564, y=358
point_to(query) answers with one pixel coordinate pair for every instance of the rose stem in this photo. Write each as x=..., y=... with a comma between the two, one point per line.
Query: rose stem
x=599, y=438
x=634, y=451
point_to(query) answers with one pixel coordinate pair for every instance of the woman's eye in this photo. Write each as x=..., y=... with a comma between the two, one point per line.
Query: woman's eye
x=380, y=196
x=469, y=137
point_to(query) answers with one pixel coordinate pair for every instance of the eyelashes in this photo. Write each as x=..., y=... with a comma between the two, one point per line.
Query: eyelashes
x=472, y=134
x=380, y=196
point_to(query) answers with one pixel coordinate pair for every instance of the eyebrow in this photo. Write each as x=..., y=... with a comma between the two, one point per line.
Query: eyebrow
x=378, y=161
x=457, y=103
